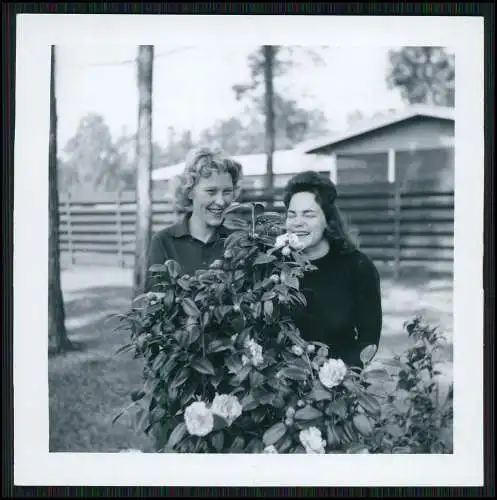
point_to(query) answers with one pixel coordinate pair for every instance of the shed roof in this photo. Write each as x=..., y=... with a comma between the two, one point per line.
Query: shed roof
x=284, y=162
x=378, y=122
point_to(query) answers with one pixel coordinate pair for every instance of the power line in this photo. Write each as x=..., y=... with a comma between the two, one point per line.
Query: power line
x=131, y=61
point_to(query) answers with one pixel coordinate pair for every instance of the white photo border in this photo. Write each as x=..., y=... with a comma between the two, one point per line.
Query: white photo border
x=33, y=464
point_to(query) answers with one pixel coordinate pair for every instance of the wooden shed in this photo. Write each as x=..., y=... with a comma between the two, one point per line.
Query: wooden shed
x=411, y=146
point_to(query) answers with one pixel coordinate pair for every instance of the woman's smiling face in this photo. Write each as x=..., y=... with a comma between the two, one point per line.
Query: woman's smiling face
x=306, y=219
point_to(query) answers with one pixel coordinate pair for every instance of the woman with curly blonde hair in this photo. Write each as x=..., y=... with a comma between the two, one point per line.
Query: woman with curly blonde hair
x=208, y=185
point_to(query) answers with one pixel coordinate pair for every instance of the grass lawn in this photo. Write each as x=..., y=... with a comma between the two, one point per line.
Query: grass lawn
x=90, y=385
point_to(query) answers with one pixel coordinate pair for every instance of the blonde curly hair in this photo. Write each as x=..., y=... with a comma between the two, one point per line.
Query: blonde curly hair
x=202, y=162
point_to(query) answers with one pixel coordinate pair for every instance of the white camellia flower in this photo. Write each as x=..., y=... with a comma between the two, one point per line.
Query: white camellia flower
x=297, y=350
x=199, y=419
x=286, y=251
x=332, y=373
x=294, y=242
x=226, y=406
x=312, y=440
x=255, y=351
x=281, y=241
x=154, y=297
x=270, y=449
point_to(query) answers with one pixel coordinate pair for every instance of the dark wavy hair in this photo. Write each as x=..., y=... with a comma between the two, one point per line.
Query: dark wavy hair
x=325, y=193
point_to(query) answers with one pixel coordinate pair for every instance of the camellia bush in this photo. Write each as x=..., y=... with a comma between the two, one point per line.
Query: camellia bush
x=227, y=371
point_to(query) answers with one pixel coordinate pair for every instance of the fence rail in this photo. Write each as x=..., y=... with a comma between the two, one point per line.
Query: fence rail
x=391, y=225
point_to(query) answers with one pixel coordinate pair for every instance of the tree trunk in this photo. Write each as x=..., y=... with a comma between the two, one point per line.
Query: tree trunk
x=269, y=111
x=57, y=335
x=144, y=167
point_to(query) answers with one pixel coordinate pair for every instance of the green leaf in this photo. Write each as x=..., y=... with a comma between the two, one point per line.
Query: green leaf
x=244, y=336
x=274, y=433
x=221, y=312
x=320, y=393
x=194, y=333
x=367, y=354
x=219, y=423
x=182, y=337
x=157, y=268
x=308, y=413
x=238, y=323
x=270, y=294
x=376, y=376
x=294, y=374
x=168, y=367
x=125, y=348
x=184, y=283
x=216, y=380
x=352, y=386
x=173, y=268
x=217, y=440
x=356, y=448
x=264, y=258
x=180, y=378
x=284, y=444
x=289, y=279
x=256, y=378
x=249, y=402
x=234, y=365
x=204, y=366
x=188, y=392
x=402, y=450
x=394, y=430
x=159, y=361
x=137, y=395
x=393, y=362
x=369, y=403
x=337, y=407
x=266, y=398
x=255, y=446
x=176, y=436
x=157, y=414
x=241, y=375
x=219, y=345
x=293, y=336
x=141, y=419
x=239, y=274
x=235, y=223
x=168, y=298
x=268, y=308
x=190, y=307
x=117, y=416
x=237, y=445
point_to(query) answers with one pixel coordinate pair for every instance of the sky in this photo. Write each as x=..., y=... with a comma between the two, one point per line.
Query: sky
x=192, y=85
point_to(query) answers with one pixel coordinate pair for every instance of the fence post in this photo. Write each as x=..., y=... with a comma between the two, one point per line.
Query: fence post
x=120, y=253
x=69, y=228
x=397, y=235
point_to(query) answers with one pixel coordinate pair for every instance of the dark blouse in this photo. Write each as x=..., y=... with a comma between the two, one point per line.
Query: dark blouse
x=175, y=242
x=344, y=307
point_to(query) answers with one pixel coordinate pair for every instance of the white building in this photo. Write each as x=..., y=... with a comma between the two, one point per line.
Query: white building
x=286, y=164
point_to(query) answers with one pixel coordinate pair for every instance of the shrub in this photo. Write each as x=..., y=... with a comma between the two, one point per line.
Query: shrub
x=226, y=370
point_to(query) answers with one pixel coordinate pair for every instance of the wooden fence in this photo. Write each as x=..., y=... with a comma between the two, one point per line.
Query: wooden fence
x=392, y=226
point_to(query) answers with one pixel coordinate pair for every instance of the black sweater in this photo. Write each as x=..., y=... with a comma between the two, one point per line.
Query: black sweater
x=344, y=307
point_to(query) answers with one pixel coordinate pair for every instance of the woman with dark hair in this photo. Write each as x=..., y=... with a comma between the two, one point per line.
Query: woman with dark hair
x=343, y=295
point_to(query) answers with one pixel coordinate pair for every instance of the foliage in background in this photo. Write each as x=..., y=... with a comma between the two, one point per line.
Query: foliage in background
x=293, y=124
x=93, y=160
x=424, y=75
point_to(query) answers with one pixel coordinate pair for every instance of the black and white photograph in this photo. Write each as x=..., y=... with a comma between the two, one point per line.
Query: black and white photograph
x=267, y=243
